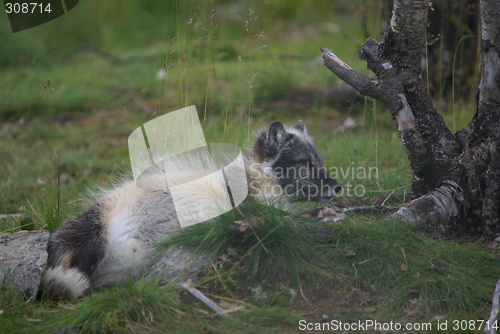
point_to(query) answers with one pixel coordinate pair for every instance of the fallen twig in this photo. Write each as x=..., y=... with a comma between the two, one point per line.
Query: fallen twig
x=211, y=305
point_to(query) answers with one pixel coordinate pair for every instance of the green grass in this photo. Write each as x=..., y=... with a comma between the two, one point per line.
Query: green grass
x=211, y=48
x=120, y=309
x=243, y=66
x=368, y=268
x=276, y=249
x=404, y=264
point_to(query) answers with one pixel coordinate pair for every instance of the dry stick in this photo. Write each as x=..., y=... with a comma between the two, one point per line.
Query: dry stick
x=395, y=100
x=363, y=84
x=212, y=306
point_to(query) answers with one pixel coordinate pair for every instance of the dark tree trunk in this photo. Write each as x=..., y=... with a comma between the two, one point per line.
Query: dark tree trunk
x=456, y=176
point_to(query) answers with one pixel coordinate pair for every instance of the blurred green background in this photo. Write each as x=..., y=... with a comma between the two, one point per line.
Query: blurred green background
x=99, y=54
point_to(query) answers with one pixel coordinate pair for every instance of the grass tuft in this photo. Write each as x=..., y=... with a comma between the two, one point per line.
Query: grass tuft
x=121, y=308
x=46, y=207
x=276, y=250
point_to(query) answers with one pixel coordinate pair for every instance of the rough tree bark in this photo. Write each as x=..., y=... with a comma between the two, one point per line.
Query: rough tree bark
x=456, y=176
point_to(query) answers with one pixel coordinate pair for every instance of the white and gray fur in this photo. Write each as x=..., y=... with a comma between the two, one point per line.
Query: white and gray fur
x=112, y=241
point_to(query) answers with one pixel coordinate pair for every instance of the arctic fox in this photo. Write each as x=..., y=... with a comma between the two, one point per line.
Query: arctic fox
x=112, y=241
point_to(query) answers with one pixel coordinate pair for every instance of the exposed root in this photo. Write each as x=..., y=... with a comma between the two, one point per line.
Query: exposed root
x=439, y=208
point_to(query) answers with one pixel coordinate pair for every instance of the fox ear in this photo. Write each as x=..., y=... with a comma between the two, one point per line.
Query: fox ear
x=276, y=135
x=299, y=125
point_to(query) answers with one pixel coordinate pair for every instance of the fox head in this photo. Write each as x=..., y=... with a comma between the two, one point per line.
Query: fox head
x=287, y=156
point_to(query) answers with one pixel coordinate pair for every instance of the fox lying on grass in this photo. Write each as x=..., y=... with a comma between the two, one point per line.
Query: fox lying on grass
x=113, y=240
